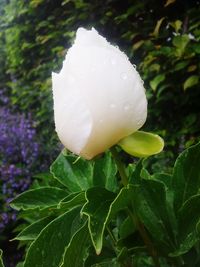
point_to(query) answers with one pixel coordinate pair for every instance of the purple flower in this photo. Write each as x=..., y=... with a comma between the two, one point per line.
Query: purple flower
x=19, y=152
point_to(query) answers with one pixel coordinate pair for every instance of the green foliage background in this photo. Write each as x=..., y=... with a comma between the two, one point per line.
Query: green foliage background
x=160, y=37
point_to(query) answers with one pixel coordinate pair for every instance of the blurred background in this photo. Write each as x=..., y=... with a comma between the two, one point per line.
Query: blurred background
x=162, y=37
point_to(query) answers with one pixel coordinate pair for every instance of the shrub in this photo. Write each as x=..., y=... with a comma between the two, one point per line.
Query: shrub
x=19, y=152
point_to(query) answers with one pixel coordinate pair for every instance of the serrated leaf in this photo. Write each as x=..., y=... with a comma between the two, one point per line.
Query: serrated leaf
x=76, y=251
x=156, y=81
x=186, y=175
x=33, y=230
x=40, y=198
x=1, y=261
x=142, y=144
x=75, y=174
x=191, y=81
x=47, y=250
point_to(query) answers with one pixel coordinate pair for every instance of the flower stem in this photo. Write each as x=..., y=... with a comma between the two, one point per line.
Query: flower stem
x=120, y=166
x=145, y=238
x=136, y=221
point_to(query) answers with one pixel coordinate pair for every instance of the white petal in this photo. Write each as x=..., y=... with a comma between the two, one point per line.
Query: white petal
x=72, y=117
x=100, y=79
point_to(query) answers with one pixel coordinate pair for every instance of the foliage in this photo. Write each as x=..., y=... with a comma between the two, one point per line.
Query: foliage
x=89, y=219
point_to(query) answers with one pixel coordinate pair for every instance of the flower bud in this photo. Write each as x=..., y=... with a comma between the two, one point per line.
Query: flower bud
x=99, y=96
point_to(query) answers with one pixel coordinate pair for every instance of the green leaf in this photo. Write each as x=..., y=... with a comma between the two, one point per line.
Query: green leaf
x=104, y=173
x=79, y=174
x=191, y=81
x=76, y=251
x=33, y=230
x=189, y=216
x=176, y=25
x=188, y=220
x=163, y=177
x=97, y=208
x=73, y=200
x=47, y=250
x=41, y=198
x=1, y=261
x=186, y=175
x=101, y=207
x=150, y=204
x=142, y=144
x=180, y=42
x=156, y=81
x=180, y=65
x=75, y=174
x=186, y=245
x=157, y=28
x=126, y=228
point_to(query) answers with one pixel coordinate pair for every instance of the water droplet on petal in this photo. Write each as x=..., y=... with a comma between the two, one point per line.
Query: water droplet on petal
x=124, y=76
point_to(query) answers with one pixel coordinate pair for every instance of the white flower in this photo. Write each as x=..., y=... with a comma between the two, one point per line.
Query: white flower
x=99, y=96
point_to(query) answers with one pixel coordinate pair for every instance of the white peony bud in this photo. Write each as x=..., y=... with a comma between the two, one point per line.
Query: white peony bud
x=99, y=96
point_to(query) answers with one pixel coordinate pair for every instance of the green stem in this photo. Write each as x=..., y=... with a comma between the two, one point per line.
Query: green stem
x=140, y=226
x=112, y=237
x=120, y=166
x=145, y=238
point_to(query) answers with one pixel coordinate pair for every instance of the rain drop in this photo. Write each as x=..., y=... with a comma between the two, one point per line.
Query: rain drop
x=124, y=76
